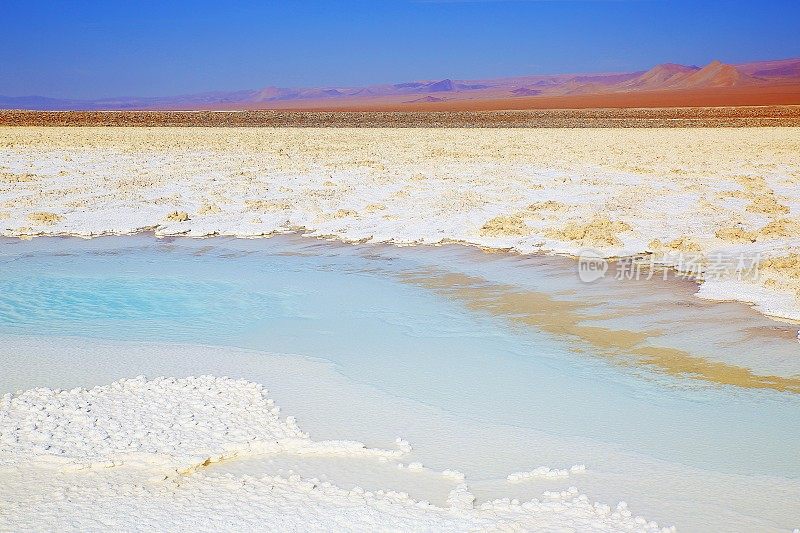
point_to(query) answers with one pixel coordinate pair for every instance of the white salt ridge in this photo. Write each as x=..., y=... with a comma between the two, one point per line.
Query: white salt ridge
x=137, y=453
x=416, y=466
x=544, y=472
x=767, y=301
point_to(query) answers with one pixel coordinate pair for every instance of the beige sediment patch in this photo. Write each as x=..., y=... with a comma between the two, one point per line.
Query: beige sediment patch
x=548, y=209
x=753, y=184
x=684, y=244
x=372, y=208
x=166, y=200
x=780, y=228
x=10, y=177
x=505, y=226
x=368, y=163
x=761, y=197
x=458, y=200
x=328, y=193
x=766, y=204
x=569, y=318
x=547, y=205
x=267, y=205
x=781, y=273
x=4, y=215
x=137, y=183
x=209, y=209
x=44, y=218
x=344, y=213
x=178, y=216
x=736, y=235
x=737, y=194
x=600, y=231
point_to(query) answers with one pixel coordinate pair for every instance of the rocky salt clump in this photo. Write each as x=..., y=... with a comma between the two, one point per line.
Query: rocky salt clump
x=599, y=232
x=505, y=226
x=178, y=216
x=44, y=218
x=139, y=453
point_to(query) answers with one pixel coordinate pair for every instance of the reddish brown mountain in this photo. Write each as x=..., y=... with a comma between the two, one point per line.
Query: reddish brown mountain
x=665, y=85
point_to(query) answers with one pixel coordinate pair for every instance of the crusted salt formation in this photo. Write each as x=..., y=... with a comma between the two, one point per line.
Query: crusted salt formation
x=139, y=454
x=782, y=273
x=267, y=205
x=736, y=235
x=209, y=209
x=10, y=177
x=684, y=244
x=781, y=228
x=505, y=226
x=620, y=192
x=178, y=216
x=44, y=218
x=189, y=422
x=599, y=232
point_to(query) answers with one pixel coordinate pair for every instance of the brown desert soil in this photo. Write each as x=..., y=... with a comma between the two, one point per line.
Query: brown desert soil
x=667, y=117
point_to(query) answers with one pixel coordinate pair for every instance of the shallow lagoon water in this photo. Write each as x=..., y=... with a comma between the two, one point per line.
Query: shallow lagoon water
x=405, y=322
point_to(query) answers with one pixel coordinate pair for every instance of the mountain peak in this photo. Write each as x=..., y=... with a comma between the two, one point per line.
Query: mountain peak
x=671, y=67
x=717, y=74
x=440, y=86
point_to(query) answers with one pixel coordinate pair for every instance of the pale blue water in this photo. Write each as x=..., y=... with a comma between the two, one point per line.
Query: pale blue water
x=347, y=304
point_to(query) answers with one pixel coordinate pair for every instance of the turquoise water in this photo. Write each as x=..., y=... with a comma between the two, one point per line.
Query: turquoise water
x=350, y=305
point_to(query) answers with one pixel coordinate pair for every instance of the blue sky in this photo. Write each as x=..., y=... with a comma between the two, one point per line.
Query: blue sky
x=86, y=49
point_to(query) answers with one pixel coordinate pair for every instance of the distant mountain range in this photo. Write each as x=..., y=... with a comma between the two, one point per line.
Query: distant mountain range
x=668, y=84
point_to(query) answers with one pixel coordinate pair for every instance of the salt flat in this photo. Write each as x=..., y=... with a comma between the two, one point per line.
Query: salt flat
x=689, y=198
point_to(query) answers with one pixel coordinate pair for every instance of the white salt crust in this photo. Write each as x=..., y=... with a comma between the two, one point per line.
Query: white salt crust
x=139, y=455
x=615, y=191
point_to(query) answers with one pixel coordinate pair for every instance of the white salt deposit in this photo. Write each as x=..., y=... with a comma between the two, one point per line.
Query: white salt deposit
x=69, y=459
x=186, y=422
x=544, y=472
x=700, y=192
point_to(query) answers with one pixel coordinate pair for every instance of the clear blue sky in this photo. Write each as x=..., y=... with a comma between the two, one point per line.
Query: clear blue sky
x=85, y=49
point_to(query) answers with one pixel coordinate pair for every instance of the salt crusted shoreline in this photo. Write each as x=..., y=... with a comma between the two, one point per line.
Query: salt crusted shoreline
x=683, y=197
x=139, y=454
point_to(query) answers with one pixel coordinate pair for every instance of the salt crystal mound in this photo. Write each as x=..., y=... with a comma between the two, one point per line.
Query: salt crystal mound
x=615, y=191
x=184, y=422
x=75, y=459
x=544, y=472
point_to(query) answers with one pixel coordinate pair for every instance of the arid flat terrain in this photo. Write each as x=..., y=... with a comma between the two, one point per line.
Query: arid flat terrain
x=670, y=117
